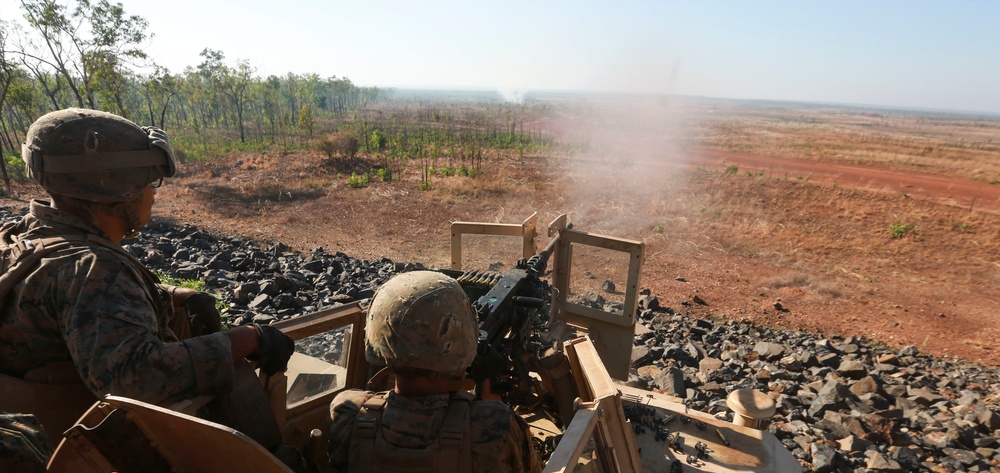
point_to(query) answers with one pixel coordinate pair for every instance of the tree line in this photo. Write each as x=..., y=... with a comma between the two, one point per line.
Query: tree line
x=90, y=54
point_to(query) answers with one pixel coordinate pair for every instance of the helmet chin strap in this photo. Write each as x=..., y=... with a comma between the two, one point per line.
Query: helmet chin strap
x=128, y=209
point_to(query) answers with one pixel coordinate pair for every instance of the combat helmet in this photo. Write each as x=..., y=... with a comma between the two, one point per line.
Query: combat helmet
x=96, y=158
x=421, y=320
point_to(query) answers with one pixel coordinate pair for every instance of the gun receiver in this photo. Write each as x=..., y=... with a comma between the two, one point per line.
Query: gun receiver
x=512, y=313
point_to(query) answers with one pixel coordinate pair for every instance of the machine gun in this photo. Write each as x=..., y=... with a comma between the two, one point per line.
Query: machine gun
x=512, y=308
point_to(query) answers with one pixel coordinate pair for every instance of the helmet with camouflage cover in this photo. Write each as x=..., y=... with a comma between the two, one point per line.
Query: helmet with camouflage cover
x=421, y=320
x=95, y=156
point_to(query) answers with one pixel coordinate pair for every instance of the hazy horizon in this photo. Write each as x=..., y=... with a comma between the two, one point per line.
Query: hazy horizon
x=909, y=55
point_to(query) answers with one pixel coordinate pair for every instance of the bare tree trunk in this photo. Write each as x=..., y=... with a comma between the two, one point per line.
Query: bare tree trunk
x=3, y=167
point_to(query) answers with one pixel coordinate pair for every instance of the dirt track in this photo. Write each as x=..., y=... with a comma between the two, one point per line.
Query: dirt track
x=948, y=190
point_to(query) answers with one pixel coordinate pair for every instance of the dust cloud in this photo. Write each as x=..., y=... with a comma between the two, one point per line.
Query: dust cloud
x=626, y=161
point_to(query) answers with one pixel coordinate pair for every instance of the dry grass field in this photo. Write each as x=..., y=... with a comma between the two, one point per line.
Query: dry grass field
x=876, y=224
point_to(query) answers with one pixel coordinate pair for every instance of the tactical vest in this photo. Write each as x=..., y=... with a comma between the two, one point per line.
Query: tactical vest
x=451, y=451
x=54, y=393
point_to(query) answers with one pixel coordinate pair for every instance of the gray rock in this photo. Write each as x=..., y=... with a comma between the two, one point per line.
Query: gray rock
x=986, y=442
x=848, y=348
x=908, y=350
x=824, y=457
x=270, y=288
x=895, y=391
x=889, y=359
x=939, y=439
x=865, y=385
x=791, y=363
x=828, y=359
x=988, y=419
x=708, y=365
x=641, y=356
x=879, y=462
x=853, y=444
x=966, y=457
x=906, y=457
x=836, y=430
x=852, y=369
x=924, y=396
x=262, y=300
x=671, y=381
x=263, y=319
x=768, y=350
x=648, y=302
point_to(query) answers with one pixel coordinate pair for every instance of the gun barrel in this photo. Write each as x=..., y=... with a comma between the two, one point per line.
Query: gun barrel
x=529, y=301
x=538, y=263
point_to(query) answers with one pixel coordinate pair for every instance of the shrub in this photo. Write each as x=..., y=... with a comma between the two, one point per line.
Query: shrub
x=385, y=174
x=357, y=181
x=342, y=144
x=425, y=185
x=467, y=171
x=326, y=147
x=15, y=167
x=732, y=169
x=899, y=230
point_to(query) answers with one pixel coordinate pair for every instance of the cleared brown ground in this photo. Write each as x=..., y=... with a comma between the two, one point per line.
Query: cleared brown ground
x=749, y=206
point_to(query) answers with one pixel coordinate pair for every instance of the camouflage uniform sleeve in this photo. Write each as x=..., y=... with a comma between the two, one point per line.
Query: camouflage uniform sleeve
x=501, y=440
x=343, y=411
x=115, y=339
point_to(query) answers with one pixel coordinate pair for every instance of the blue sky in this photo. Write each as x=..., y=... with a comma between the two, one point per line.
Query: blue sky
x=941, y=55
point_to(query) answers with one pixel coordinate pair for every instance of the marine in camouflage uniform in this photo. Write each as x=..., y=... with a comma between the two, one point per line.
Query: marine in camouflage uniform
x=500, y=439
x=91, y=313
x=100, y=310
x=421, y=326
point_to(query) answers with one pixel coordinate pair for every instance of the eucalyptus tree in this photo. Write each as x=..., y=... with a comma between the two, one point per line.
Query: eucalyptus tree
x=270, y=104
x=231, y=82
x=290, y=93
x=88, y=44
x=6, y=77
x=157, y=89
x=307, y=122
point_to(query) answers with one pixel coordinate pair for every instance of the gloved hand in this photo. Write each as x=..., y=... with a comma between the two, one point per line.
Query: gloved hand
x=158, y=139
x=203, y=314
x=489, y=364
x=275, y=349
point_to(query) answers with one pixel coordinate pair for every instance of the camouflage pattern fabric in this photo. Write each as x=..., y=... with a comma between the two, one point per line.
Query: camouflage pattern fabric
x=501, y=441
x=101, y=310
x=24, y=447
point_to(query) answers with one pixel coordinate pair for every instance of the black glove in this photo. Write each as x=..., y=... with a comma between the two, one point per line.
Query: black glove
x=275, y=349
x=489, y=364
x=203, y=314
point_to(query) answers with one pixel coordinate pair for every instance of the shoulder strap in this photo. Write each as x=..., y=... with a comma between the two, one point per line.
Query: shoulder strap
x=364, y=436
x=20, y=256
x=455, y=438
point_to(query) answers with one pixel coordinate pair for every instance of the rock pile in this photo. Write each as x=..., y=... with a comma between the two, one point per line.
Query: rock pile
x=261, y=282
x=842, y=404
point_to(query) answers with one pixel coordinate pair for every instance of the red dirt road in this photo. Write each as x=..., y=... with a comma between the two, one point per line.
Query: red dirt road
x=947, y=190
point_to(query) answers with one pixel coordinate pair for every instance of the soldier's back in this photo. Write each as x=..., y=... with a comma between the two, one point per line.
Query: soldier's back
x=501, y=441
